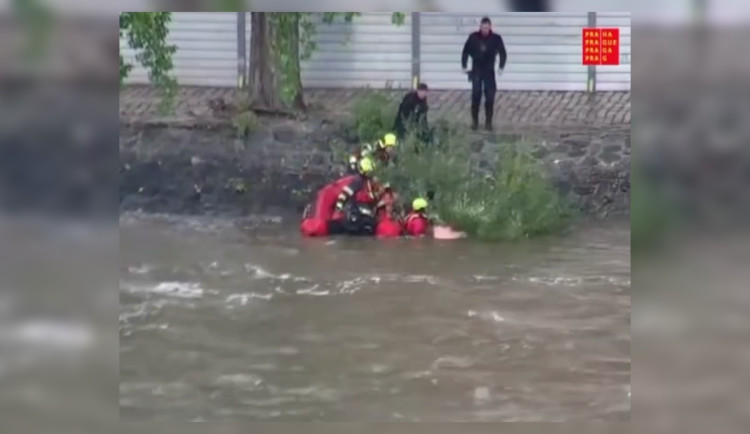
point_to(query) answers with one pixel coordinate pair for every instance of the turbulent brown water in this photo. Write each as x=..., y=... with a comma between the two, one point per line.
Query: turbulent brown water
x=218, y=322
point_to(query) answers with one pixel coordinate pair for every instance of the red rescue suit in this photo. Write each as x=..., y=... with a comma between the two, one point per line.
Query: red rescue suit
x=416, y=224
x=362, y=189
x=316, y=224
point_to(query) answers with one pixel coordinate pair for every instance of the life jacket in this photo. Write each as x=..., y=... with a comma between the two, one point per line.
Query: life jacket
x=368, y=194
x=416, y=224
x=387, y=227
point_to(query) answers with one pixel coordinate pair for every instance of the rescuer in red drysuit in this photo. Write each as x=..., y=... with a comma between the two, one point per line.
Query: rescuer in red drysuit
x=345, y=206
x=315, y=220
x=416, y=223
x=358, y=202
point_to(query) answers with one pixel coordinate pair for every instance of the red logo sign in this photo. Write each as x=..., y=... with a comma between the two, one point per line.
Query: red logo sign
x=601, y=46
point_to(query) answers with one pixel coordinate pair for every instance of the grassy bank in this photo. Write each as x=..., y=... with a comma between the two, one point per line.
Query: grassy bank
x=509, y=200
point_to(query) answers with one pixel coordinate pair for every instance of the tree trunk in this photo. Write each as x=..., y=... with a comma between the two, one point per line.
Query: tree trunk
x=265, y=94
x=299, y=98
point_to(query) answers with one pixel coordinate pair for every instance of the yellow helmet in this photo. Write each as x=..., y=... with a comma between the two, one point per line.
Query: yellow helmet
x=366, y=165
x=388, y=140
x=419, y=204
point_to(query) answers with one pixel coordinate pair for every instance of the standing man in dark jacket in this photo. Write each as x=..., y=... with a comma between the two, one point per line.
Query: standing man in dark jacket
x=483, y=47
x=412, y=112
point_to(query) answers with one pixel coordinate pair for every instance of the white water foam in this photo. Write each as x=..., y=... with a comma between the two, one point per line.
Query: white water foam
x=244, y=298
x=261, y=273
x=571, y=281
x=313, y=290
x=171, y=289
x=487, y=316
x=140, y=269
x=49, y=335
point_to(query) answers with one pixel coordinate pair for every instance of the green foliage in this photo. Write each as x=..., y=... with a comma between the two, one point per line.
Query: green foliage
x=228, y=5
x=509, y=200
x=653, y=215
x=245, y=122
x=294, y=42
x=37, y=19
x=373, y=116
x=146, y=33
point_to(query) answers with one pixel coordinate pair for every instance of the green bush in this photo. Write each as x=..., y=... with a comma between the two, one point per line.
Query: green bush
x=373, y=115
x=510, y=200
x=245, y=122
x=654, y=215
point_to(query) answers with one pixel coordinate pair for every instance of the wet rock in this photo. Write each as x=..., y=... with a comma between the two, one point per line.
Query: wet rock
x=589, y=161
x=259, y=137
x=576, y=142
x=576, y=152
x=609, y=157
x=540, y=152
x=284, y=156
x=324, y=145
x=612, y=148
x=285, y=133
x=320, y=160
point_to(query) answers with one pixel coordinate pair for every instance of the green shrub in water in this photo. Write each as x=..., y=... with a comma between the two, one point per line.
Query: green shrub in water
x=508, y=201
x=654, y=216
x=373, y=115
x=511, y=200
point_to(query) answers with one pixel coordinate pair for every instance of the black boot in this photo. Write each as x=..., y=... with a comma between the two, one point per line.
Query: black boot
x=488, y=114
x=474, y=117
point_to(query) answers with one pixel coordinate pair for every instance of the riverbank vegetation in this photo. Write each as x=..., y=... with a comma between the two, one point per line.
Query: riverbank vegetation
x=655, y=214
x=503, y=195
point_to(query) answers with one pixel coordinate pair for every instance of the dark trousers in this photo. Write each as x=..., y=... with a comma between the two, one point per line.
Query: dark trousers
x=483, y=81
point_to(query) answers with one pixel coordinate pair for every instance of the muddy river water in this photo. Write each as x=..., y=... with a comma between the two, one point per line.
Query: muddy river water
x=222, y=322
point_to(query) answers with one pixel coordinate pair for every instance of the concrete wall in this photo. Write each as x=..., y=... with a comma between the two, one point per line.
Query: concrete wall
x=206, y=49
x=368, y=52
x=615, y=77
x=544, y=51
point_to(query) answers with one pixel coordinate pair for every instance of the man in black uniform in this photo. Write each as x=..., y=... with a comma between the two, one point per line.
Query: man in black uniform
x=529, y=5
x=483, y=46
x=412, y=112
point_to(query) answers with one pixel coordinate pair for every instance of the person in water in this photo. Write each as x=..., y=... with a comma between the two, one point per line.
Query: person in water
x=388, y=222
x=382, y=151
x=416, y=222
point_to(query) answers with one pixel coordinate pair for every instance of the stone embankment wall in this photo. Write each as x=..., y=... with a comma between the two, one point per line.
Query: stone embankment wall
x=193, y=164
